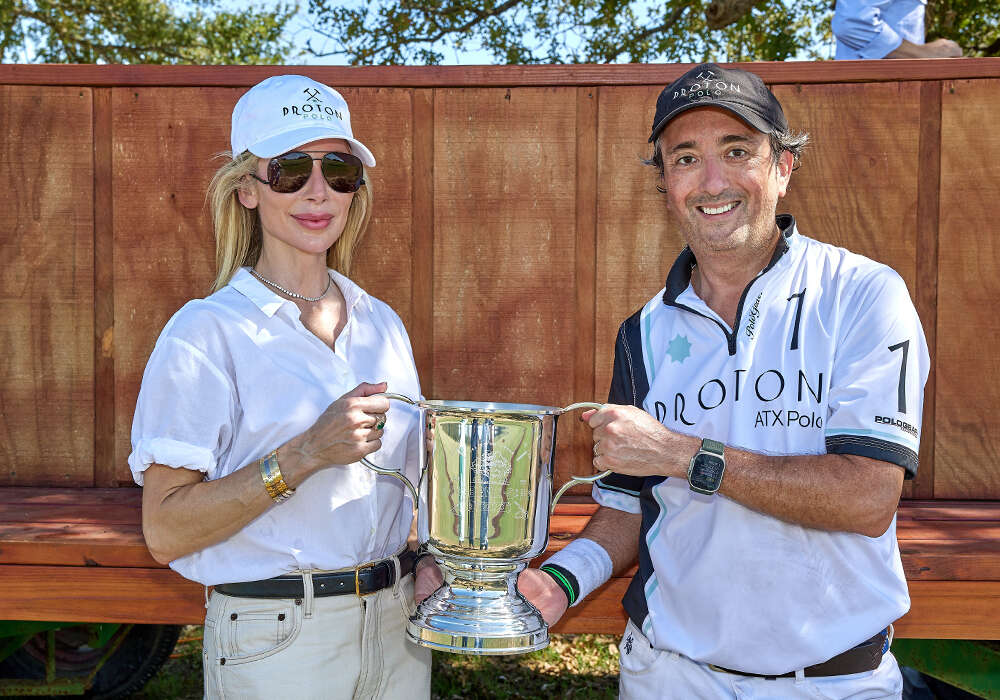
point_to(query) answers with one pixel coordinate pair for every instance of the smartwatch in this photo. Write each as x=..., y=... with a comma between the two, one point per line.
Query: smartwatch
x=707, y=467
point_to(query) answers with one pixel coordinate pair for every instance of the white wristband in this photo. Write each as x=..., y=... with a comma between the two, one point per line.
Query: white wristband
x=588, y=561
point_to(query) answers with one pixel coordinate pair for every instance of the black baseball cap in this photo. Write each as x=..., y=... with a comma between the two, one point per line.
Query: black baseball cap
x=741, y=92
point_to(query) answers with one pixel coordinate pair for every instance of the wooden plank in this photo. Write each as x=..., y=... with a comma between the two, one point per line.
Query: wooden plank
x=75, y=544
x=925, y=297
x=949, y=510
x=504, y=245
x=381, y=119
x=939, y=610
x=576, y=443
x=125, y=514
x=951, y=610
x=953, y=560
x=944, y=531
x=967, y=419
x=803, y=72
x=105, y=473
x=636, y=245
x=47, y=287
x=70, y=496
x=96, y=594
x=422, y=263
x=857, y=186
x=165, y=142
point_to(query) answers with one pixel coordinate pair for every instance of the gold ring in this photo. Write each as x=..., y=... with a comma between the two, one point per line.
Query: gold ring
x=595, y=448
x=380, y=424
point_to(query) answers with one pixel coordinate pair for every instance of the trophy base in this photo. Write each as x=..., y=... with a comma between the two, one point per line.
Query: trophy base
x=468, y=617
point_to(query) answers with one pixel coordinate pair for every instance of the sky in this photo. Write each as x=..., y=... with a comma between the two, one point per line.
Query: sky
x=299, y=30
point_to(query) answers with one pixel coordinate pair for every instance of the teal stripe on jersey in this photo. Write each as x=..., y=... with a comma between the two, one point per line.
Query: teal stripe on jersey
x=909, y=441
x=652, y=584
x=655, y=530
x=650, y=363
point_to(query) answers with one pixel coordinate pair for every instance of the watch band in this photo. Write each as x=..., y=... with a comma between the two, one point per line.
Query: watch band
x=713, y=446
x=274, y=483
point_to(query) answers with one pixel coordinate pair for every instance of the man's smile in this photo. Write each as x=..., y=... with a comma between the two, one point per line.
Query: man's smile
x=719, y=209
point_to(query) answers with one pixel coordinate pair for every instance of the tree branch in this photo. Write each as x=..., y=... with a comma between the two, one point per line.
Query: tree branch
x=722, y=13
x=993, y=49
x=670, y=22
x=133, y=53
x=478, y=16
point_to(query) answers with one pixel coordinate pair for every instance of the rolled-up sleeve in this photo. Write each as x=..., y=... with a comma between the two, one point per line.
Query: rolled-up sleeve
x=185, y=411
x=875, y=28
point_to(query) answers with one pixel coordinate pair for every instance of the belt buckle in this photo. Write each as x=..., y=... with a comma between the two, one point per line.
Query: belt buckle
x=357, y=579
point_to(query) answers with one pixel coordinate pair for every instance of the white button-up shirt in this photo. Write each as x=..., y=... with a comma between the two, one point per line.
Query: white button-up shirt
x=237, y=374
x=875, y=28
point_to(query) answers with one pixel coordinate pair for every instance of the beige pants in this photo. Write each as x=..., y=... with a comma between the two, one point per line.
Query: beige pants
x=333, y=647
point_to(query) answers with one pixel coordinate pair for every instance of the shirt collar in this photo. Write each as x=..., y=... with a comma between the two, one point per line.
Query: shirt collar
x=268, y=301
x=256, y=291
x=680, y=273
x=353, y=294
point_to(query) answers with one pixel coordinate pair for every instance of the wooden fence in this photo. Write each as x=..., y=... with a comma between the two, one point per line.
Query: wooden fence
x=514, y=228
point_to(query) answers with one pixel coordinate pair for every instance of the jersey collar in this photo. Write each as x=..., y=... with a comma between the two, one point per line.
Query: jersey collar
x=680, y=273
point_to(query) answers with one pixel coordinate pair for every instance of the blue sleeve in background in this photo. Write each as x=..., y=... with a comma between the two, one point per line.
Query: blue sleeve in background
x=875, y=28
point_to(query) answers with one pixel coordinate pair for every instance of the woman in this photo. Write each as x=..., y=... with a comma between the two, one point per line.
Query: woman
x=255, y=407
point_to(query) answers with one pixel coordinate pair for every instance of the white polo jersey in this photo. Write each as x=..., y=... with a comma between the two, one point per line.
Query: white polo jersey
x=828, y=356
x=237, y=374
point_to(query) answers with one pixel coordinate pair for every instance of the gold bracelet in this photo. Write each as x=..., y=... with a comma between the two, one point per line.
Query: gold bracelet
x=275, y=485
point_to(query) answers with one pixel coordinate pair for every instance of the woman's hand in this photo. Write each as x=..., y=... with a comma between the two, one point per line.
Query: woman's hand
x=427, y=579
x=349, y=429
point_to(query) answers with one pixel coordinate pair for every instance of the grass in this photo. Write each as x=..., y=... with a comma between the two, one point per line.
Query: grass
x=583, y=666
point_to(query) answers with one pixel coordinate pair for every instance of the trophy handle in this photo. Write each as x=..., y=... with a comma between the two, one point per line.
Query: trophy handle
x=574, y=480
x=395, y=473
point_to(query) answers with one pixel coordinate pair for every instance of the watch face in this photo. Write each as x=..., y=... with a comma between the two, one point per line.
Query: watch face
x=706, y=472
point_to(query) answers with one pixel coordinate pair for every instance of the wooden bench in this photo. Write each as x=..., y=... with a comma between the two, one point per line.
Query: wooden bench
x=78, y=555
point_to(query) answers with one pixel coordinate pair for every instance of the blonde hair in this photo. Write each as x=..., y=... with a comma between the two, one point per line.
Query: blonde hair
x=238, y=231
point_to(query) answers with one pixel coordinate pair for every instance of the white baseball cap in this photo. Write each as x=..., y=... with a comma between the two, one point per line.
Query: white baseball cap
x=284, y=112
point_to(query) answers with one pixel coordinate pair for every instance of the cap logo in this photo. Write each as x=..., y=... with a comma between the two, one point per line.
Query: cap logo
x=706, y=89
x=309, y=110
x=705, y=75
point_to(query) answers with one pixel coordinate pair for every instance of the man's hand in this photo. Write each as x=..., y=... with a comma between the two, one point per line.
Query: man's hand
x=544, y=593
x=627, y=440
x=939, y=48
x=427, y=579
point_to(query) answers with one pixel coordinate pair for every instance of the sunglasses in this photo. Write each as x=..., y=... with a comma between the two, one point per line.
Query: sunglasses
x=289, y=172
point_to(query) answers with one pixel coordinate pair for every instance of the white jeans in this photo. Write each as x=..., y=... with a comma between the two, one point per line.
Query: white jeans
x=332, y=647
x=648, y=673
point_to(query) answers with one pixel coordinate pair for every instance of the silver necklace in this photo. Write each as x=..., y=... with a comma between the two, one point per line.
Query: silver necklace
x=329, y=283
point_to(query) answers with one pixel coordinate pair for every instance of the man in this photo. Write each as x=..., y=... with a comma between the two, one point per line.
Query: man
x=764, y=410
x=886, y=29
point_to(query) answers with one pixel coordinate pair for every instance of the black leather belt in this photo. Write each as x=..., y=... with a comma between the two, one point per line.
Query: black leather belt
x=864, y=657
x=360, y=581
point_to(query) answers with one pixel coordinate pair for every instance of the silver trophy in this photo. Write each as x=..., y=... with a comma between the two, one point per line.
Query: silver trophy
x=485, y=497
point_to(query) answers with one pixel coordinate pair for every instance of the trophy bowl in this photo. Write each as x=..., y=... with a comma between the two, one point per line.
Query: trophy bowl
x=485, y=497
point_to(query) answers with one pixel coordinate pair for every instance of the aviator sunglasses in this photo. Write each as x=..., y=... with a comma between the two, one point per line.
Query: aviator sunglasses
x=288, y=172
